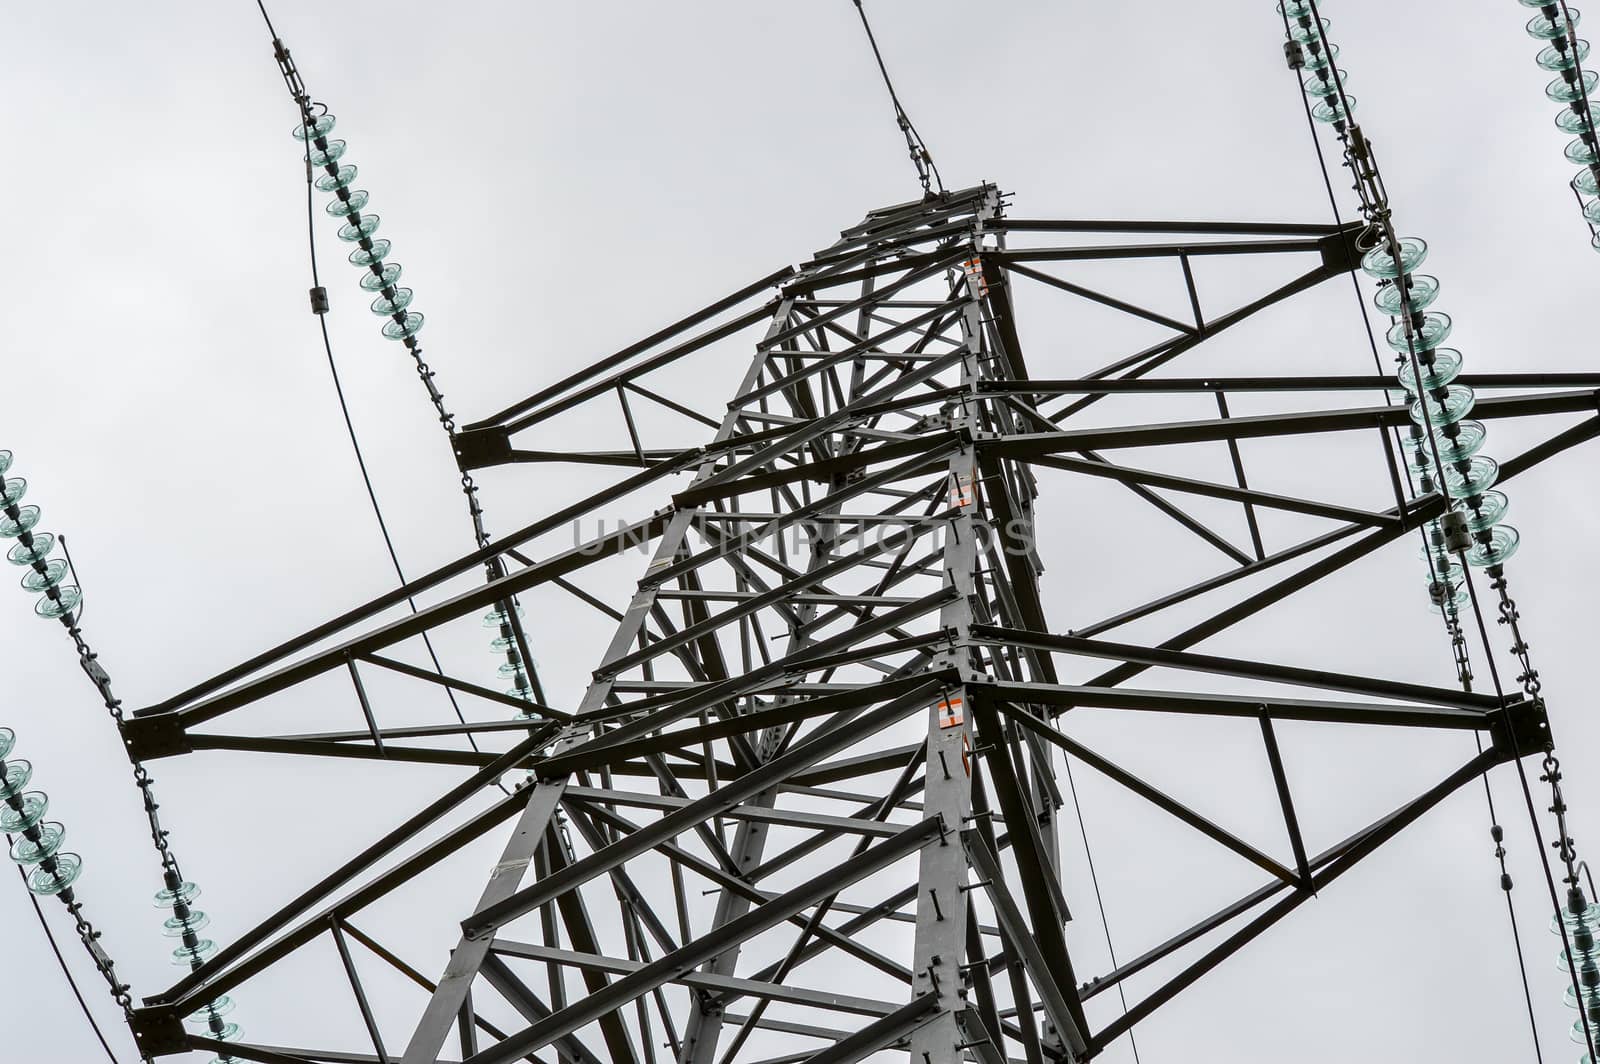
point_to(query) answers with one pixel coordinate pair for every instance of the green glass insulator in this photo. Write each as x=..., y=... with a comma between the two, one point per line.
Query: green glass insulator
x=1492, y=506
x=1421, y=293
x=8, y=739
x=1591, y=211
x=1467, y=441
x=367, y=256
x=385, y=307
x=334, y=182
x=496, y=618
x=1296, y=8
x=377, y=282
x=1307, y=32
x=220, y=1007
x=1435, y=328
x=1444, y=368
x=68, y=866
x=1595, y=243
x=1457, y=405
x=1380, y=261
x=321, y=157
x=12, y=491
x=14, y=777
x=1503, y=541
x=1586, y=184
x=200, y=951
x=1536, y=3
x=186, y=893
x=1319, y=58
x=5, y=460
x=1580, y=154
x=27, y=517
x=229, y=1032
x=1556, y=59
x=501, y=644
x=1480, y=477
x=54, y=572
x=175, y=926
x=1588, y=921
x=1570, y=121
x=320, y=126
x=358, y=230
x=37, y=551
x=1562, y=91
x=65, y=602
x=29, y=810
x=1325, y=86
x=339, y=208
x=1332, y=110
x=26, y=851
x=396, y=330
x=1546, y=29
x=513, y=669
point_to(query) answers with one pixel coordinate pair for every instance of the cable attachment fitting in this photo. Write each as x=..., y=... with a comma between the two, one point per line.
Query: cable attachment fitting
x=1294, y=55
x=319, y=300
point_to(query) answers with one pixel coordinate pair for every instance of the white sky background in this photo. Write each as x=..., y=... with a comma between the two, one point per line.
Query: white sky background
x=560, y=180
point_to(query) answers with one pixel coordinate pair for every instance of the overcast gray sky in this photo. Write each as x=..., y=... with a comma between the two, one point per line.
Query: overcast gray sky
x=562, y=179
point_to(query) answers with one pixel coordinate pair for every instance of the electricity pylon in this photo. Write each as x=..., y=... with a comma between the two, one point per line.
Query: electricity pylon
x=806, y=810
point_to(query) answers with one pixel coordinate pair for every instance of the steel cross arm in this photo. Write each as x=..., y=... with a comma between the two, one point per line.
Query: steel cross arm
x=1327, y=383
x=1151, y=251
x=407, y=829
x=1255, y=670
x=608, y=385
x=399, y=595
x=1189, y=486
x=1012, y=266
x=1029, y=445
x=1143, y=362
x=521, y=705
x=1065, y=696
x=1369, y=841
x=427, y=618
x=1038, y=225
x=269, y=744
x=771, y=280
x=726, y=988
x=1425, y=510
x=692, y=954
x=415, y=732
x=1144, y=790
x=821, y=744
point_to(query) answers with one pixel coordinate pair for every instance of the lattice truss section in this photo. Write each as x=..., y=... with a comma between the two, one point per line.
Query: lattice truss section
x=807, y=809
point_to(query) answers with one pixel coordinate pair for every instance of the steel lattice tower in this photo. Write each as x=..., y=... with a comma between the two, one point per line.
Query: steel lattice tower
x=808, y=800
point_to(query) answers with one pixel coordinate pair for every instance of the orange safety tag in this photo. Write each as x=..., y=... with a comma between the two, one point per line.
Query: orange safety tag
x=950, y=713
